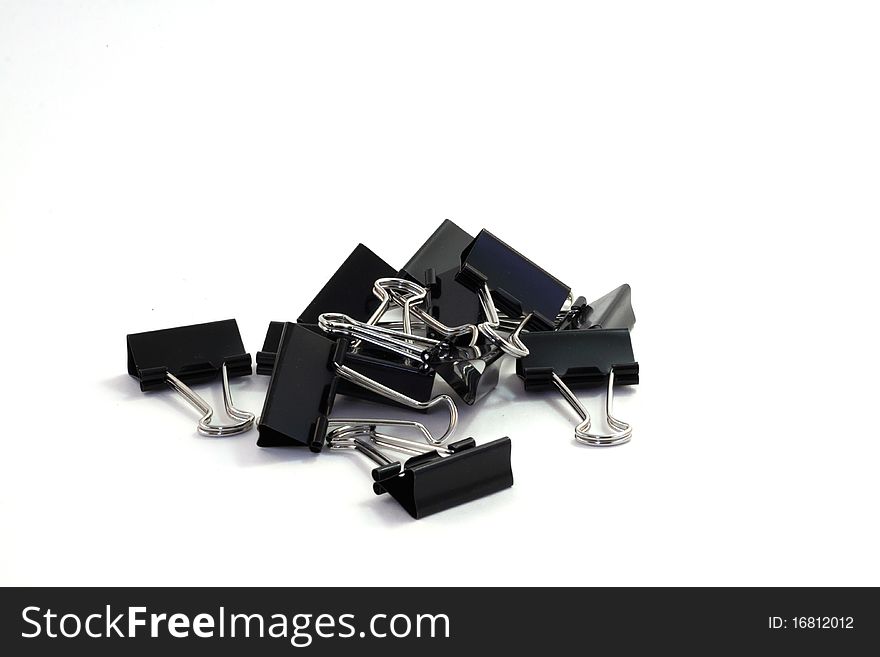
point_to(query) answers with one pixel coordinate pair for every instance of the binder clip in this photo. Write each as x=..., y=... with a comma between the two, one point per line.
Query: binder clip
x=519, y=287
x=418, y=348
x=308, y=368
x=349, y=290
x=582, y=358
x=410, y=297
x=614, y=310
x=435, y=479
x=388, y=369
x=191, y=354
x=435, y=265
x=471, y=370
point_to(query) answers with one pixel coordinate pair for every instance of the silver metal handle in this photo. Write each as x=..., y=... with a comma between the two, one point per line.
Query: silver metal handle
x=366, y=440
x=513, y=345
x=205, y=427
x=582, y=434
x=409, y=296
x=358, y=443
x=399, y=342
x=389, y=393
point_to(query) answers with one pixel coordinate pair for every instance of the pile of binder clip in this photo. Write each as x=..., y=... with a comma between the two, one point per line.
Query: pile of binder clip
x=455, y=310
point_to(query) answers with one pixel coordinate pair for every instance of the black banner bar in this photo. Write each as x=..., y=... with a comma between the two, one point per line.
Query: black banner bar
x=328, y=621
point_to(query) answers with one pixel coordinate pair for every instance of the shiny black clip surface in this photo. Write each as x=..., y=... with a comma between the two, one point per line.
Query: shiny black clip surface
x=518, y=286
x=579, y=358
x=429, y=483
x=301, y=391
x=381, y=365
x=440, y=252
x=350, y=289
x=435, y=265
x=266, y=355
x=192, y=353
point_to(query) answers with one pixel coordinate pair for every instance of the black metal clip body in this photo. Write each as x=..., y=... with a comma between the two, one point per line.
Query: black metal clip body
x=435, y=265
x=582, y=358
x=266, y=356
x=385, y=367
x=184, y=355
x=308, y=367
x=435, y=479
x=429, y=482
x=469, y=365
x=193, y=353
x=519, y=287
x=440, y=252
x=350, y=289
x=301, y=391
x=449, y=301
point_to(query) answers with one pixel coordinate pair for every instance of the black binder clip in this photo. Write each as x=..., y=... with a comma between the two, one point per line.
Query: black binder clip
x=435, y=479
x=417, y=348
x=471, y=372
x=470, y=367
x=614, y=310
x=191, y=354
x=582, y=358
x=308, y=367
x=349, y=290
x=411, y=298
x=518, y=286
x=435, y=265
x=390, y=370
x=459, y=342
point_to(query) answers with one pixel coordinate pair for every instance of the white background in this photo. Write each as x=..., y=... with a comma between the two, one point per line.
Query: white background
x=172, y=163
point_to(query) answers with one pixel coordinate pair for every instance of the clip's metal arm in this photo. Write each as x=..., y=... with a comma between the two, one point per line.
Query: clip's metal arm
x=406, y=446
x=399, y=342
x=417, y=347
x=582, y=434
x=360, y=444
x=511, y=323
x=205, y=427
x=434, y=479
x=389, y=393
x=364, y=439
x=367, y=426
x=513, y=345
x=409, y=296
